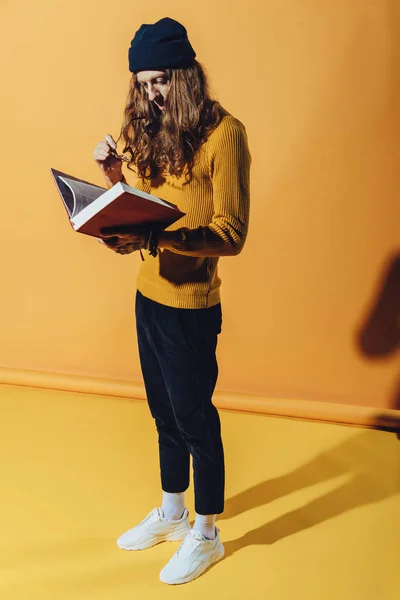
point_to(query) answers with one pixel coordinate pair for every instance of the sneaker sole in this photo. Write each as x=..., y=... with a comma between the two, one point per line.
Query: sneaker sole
x=218, y=556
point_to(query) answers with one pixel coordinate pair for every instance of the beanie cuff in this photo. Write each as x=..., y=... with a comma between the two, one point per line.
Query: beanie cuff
x=151, y=58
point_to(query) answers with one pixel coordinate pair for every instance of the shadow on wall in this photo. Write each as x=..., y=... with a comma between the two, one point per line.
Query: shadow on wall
x=379, y=336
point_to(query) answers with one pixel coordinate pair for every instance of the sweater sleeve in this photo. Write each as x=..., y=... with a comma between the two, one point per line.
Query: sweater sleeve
x=229, y=160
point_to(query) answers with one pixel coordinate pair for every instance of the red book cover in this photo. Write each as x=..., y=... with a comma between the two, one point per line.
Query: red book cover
x=91, y=207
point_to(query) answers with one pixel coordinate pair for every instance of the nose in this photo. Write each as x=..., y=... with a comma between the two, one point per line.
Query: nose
x=152, y=93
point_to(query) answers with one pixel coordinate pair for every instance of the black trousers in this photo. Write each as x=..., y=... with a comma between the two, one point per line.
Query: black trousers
x=177, y=354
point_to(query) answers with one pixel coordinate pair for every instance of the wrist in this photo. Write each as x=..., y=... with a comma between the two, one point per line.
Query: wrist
x=114, y=179
x=166, y=239
x=151, y=243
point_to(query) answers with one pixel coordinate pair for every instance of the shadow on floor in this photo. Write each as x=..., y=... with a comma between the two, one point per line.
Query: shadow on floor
x=373, y=463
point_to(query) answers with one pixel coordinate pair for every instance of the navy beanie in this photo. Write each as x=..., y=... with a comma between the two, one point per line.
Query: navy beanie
x=164, y=45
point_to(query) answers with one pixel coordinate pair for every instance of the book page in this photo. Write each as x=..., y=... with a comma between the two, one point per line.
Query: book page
x=83, y=194
x=67, y=196
x=142, y=194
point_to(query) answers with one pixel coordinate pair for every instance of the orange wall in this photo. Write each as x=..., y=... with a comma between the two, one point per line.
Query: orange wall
x=316, y=84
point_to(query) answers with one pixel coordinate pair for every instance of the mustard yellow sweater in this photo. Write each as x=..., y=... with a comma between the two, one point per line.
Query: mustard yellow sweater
x=216, y=203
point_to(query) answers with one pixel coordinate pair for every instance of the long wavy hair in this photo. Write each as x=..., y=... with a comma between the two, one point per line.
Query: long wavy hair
x=169, y=139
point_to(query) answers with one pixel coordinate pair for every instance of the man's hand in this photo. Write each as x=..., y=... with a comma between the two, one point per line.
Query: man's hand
x=110, y=166
x=123, y=240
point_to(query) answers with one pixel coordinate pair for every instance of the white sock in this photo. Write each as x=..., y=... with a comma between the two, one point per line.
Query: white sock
x=173, y=505
x=206, y=525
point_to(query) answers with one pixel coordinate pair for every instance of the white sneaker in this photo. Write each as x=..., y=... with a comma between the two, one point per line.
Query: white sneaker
x=155, y=528
x=194, y=556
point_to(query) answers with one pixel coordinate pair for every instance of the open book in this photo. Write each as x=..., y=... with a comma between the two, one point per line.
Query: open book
x=91, y=207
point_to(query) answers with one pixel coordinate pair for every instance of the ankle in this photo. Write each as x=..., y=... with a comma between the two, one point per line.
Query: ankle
x=174, y=516
x=205, y=524
x=173, y=505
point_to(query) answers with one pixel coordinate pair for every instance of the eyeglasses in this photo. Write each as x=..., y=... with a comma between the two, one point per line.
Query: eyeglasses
x=124, y=157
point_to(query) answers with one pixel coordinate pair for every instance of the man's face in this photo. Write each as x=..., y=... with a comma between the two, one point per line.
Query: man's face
x=156, y=84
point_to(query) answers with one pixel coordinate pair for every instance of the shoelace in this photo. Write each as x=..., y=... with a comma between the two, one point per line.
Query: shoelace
x=190, y=543
x=151, y=518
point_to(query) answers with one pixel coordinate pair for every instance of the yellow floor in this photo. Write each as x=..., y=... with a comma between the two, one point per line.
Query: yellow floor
x=312, y=510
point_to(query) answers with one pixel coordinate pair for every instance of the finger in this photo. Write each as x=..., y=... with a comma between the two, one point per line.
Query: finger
x=128, y=248
x=110, y=141
x=121, y=231
x=101, y=155
x=112, y=242
x=103, y=146
x=121, y=238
